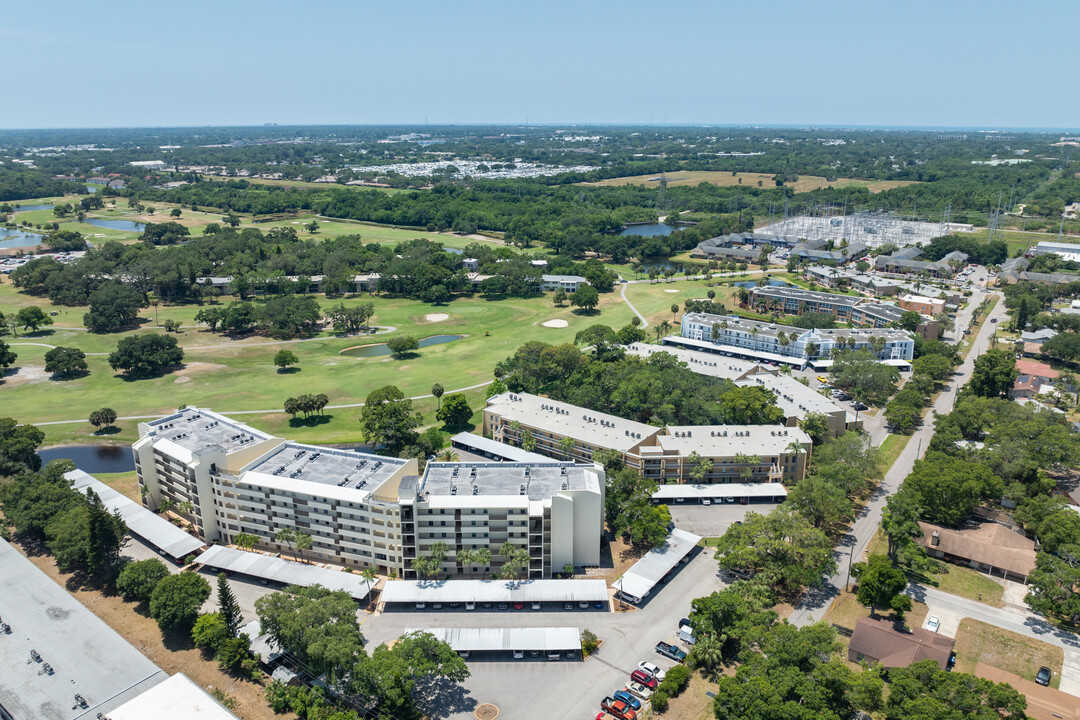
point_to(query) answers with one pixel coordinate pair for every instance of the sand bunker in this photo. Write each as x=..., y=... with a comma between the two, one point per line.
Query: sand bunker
x=436, y=317
x=23, y=375
x=671, y=291
x=182, y=379
x=555, y=323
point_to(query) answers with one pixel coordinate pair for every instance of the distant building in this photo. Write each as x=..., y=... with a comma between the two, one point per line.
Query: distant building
x=1032, y=377
x=566, y=283
x=879, y=641
x=1066, y=251
x=922, y=304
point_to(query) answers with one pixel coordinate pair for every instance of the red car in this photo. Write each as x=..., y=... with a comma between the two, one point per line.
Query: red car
x=640, y=676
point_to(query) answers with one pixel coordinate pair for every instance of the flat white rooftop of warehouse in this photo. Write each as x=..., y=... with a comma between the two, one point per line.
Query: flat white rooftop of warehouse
x=640, y=579
x=151, y=527
x=480, y=639
x=87, y=656
x=447, y=591
x=178, y=698
x=286, y=572
x=720, y=490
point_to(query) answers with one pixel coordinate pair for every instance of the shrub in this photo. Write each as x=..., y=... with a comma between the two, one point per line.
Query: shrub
x=659, y=700
x=589, y=642
x=209, y=632
x=138, y=579
x=677, y=677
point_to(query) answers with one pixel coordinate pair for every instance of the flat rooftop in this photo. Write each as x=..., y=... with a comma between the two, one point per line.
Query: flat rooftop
x=776, y=491
x=794, y=398
x=702, y=363
x=559, y=418
x=534, y=480
x=343, y=468
x=494, y=591
x=503, y=639
x=178, y=698
x=729, y=440
x=786, y=293
x=195, y=428
x=86, y=656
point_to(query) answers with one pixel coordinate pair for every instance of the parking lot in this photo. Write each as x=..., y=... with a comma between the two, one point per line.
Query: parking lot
x=712, y=520
x=628, y=638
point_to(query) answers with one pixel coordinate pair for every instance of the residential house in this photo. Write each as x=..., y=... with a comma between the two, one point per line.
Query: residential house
x=879, y=641
x=985, y=546
x=922, y=304
x=1032, y=377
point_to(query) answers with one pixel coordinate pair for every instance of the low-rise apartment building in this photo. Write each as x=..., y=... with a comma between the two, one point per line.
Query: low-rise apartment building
x=772, y=342
x=743, y=453
x=850, y=309
x=566, y=283
x=922, y=304
x=365, y=510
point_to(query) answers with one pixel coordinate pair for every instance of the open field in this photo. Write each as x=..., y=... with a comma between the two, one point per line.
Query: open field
x=654, y=300
x=980, y=642
x=805, y=183
x=238, y=375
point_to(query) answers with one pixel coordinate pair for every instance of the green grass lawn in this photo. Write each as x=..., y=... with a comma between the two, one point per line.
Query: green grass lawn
x=891, y=447
x=654, y=300
x=967, y=583
x=229, y=375
x=979, y=642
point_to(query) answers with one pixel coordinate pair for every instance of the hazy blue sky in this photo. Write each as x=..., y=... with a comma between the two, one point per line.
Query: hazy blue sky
x=942, y=63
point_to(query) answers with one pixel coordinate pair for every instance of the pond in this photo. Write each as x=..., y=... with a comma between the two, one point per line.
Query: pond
x=10, y=238
x=381, y=348
x=93, y=188
x=28, y=208
x=92, y=458
x=456, y=251
x=649, y=229
x=770, y=283
x=115, y=224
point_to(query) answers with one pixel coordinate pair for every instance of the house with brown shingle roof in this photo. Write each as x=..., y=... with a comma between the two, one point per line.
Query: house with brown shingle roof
x=1043, y=703
x=987, y=547
x=878, y=641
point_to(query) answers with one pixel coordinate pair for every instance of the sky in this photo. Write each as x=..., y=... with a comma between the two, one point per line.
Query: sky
x=947, y=63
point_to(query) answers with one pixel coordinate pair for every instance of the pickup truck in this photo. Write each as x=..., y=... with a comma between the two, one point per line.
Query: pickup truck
x=670, y=651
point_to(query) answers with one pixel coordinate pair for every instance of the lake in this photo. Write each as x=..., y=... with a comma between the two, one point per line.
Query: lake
x=93, y=458
x=115, y=224
x=93, y=188
x=18, y=238
x=381, y=348
x=649, y=229
x=456, y=251
x=28, y=208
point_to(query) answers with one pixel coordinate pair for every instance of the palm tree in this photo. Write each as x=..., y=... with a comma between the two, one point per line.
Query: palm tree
x=566, y=446
x=708, y=653
x=437, y=391
x=674, y=312
x=464, y=557
x=482, y=557
x=449, y=455
x=715, y=333
x=303, y=542
x=245, y=540
x=287, y=536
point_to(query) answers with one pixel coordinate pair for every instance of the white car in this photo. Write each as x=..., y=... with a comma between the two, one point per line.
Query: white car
x=651, y=669
x=932, y=623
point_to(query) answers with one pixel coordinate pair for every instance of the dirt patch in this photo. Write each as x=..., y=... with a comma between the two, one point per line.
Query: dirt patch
x=28, y=374
x=487, y=711
x=201, y=367
x=182, y=379
x=436, y=317
x=142, y=632
x=557, y=323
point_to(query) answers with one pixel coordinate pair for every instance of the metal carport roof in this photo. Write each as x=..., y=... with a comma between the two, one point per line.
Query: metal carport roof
x=640, y=579
x=286, y=572
x=720, y=490
x=479, y=639
x=447, y=591
x=152, y=528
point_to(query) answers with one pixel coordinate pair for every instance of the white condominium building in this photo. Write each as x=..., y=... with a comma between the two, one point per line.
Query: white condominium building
x=366, y=510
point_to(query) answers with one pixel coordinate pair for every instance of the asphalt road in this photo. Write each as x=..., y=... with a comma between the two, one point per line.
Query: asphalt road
x=816, y=601
x=1013, y=619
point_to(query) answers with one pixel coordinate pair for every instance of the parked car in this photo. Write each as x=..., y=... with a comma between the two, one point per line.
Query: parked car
x=627, y=698
x=933, y=623
x=519, y=606
x=643, y=678
x=639, y=690
x=519, y=654
x=568, y=606
x=535, y=606
x=470, y=606
x=822, y=379
x=993, y=320
x=1043, y=676
x=618, y=708
x=670, y=651
x=652, y=669
x=860, y=406
x=706, y=501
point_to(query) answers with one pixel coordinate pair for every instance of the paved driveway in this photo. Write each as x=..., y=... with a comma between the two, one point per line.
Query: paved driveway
x=712, y=520
x=517, y=687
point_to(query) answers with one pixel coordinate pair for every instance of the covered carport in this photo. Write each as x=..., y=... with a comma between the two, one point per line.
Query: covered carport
x=495, y=595
x=283, y=572
x=538, y=643
x=742, y=493
x=638, y=582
